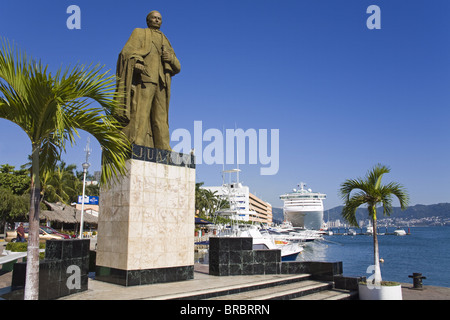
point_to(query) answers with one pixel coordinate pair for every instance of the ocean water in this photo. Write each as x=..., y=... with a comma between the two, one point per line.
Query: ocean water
x=426, y=250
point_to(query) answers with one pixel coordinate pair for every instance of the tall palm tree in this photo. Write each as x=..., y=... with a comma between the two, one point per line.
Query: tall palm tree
x=369, y=191
x=51, y=108
x=61, y=183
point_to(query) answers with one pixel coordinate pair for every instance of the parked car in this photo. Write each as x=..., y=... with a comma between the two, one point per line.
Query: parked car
x=11, y=236
x=53, y=231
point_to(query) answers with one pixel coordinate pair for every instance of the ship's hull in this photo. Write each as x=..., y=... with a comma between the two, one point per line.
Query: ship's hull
x=311, y=220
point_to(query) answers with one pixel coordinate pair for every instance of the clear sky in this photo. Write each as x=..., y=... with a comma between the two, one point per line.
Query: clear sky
x=343, y=97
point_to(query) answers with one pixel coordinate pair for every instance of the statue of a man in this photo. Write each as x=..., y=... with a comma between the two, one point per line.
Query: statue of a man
x=145, y=68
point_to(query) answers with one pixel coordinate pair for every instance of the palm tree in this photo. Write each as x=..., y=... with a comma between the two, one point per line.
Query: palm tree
x=199, y=197
x=61, y=184
x=371, y=192
x=51, y=108
x=207, y=201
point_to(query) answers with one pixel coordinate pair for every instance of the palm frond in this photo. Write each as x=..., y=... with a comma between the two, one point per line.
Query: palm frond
x=52, y=108
x=374, y=175
x=370, y=191
x=350, y=185
x=399, y=191
x=350, y=207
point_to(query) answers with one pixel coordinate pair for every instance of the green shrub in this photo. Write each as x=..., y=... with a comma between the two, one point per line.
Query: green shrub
x=22, y=247
x=384, y=283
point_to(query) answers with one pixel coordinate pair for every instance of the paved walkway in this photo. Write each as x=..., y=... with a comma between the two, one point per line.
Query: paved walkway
x=99, y=290
x=428, y=293
x=202, y=282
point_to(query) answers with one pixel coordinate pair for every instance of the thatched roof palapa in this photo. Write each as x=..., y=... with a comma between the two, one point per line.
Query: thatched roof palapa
x=66, y=214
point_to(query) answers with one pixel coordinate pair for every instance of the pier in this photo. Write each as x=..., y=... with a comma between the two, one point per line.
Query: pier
x=366, y=234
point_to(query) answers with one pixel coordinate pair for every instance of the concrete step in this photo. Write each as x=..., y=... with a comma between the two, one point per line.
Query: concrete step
x=225, y=291
x=280, y=287
x=280, y=291
x=333, y=294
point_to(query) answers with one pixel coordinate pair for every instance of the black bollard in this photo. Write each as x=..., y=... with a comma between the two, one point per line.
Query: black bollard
x=417, y=280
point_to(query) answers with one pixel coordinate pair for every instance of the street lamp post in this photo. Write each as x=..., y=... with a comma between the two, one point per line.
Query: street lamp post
x=85, y=166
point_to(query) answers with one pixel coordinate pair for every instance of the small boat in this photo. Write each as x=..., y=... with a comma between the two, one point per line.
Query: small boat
x=369, y=230
x=399, y=232
x=298, y=235
x=289, y=250
x=351, y=232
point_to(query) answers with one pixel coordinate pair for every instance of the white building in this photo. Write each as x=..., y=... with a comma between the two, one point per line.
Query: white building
x=244, y=206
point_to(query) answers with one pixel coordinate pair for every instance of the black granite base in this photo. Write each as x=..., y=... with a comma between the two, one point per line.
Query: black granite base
x=234, y=256
x=64, y=270
x=142, y=277
x=348, y=283
x=325, y=271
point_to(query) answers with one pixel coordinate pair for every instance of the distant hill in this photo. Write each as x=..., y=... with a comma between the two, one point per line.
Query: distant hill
x=277, y=215
x=417, y=212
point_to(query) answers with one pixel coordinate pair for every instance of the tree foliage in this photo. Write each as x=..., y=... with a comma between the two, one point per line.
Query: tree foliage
x=17, y=181
x=13, y=206
x=207, y=201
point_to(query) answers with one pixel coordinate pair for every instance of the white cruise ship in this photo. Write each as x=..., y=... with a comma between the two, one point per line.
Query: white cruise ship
x=304, y=208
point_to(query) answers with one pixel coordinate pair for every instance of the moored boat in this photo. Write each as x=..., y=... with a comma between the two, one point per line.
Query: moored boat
x=399, y=232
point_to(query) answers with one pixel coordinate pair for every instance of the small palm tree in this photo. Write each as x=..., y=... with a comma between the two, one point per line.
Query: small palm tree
x=51, y=108
x=370, y=192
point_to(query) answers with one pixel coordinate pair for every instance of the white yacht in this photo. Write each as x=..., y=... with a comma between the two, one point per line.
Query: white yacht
x=399, y=232
x=299, y=235
x=304, y=208
x=263, y=241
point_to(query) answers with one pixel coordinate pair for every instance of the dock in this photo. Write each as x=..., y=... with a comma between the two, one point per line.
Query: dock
x=353, y=232
x=366, y=234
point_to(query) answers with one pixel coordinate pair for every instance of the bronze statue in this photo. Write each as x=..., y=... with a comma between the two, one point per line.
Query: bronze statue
x=145, y=68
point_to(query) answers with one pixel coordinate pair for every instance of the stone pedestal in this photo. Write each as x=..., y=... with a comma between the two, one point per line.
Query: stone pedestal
x=146, y=221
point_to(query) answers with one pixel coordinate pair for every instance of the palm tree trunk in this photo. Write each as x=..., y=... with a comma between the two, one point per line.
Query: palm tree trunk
x=32, y=272
x=376, y=254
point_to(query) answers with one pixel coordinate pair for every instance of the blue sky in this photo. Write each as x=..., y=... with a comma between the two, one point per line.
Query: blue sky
x=343, y=97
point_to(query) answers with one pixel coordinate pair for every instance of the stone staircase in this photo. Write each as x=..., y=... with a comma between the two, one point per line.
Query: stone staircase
x=287, y=287
x=299, y=287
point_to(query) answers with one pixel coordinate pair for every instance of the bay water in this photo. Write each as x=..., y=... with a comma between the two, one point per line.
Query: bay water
x=425, y=250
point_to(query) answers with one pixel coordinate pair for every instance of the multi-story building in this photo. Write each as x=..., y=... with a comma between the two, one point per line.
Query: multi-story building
x=262, y=208
x=244, y=206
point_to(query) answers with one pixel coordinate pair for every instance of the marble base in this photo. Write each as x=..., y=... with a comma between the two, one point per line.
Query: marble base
x=146, y=220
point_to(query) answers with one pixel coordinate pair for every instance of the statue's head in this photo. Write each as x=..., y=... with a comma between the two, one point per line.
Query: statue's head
x=154, y=20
